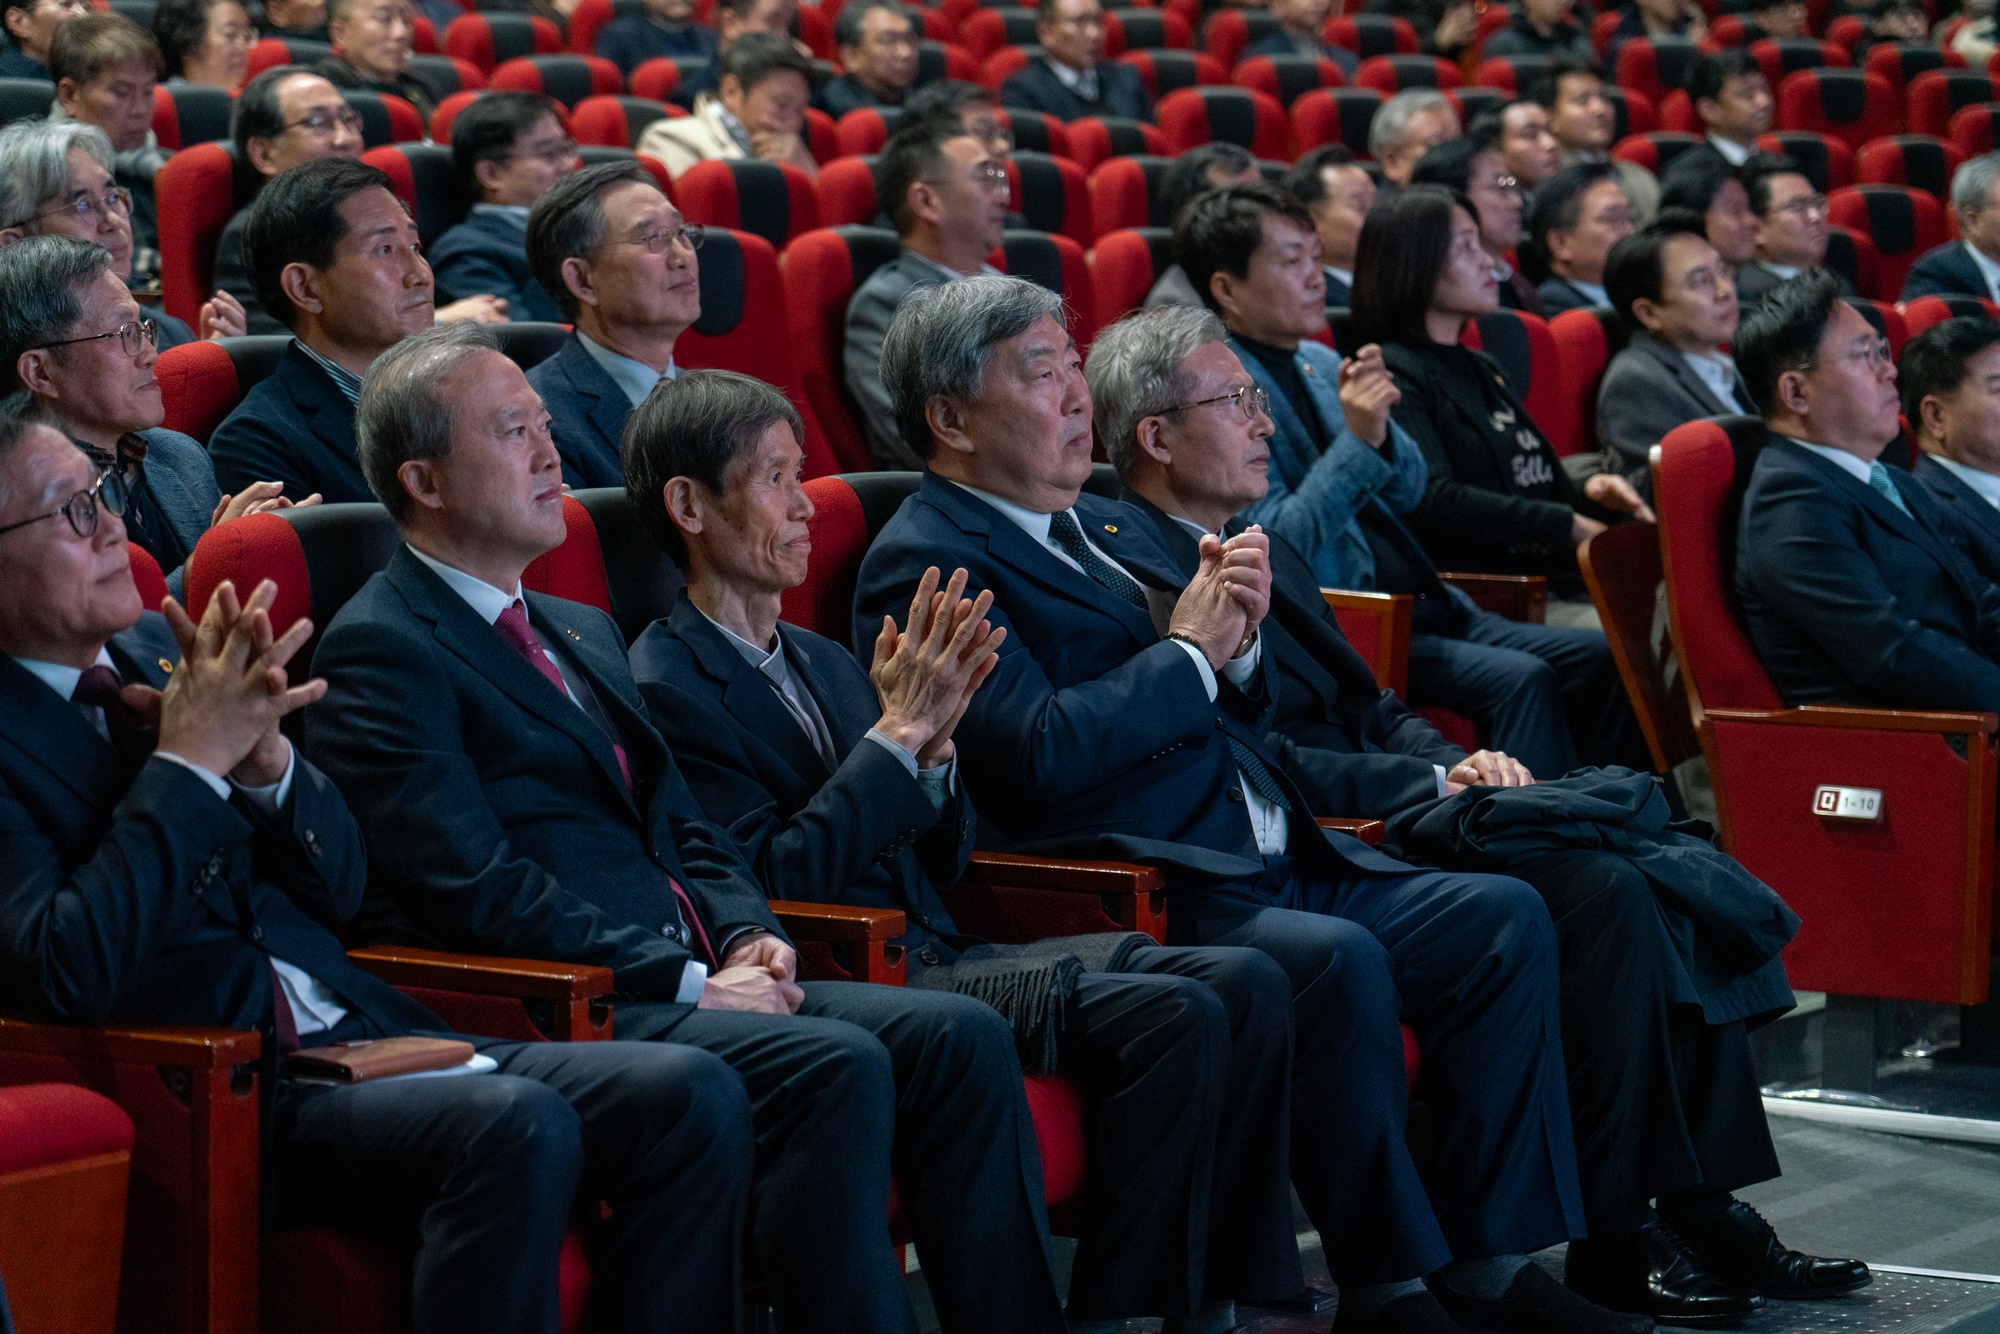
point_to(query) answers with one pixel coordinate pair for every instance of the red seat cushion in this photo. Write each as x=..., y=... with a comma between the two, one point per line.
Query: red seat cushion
x=1903, y=223
x=1194, y=116
x=1971, y=129
x=1052, y=194
x=44, y=1125
x=489, y=39
x=1335, y=116
x=198, y=385
x=822, y=269
x=1922, y=161
x=1097, y=139
x=774, y=200
x=1369, y=35
x=846, y=190
x=1393, y=74
x=196, y=199
x=568, y=79
x=574, y=570
x=146, y=577
x=1164, y=72
x=615, y=121
x=1124, y=265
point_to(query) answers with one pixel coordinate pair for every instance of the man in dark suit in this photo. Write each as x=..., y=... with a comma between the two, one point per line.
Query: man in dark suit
x=945, y=193
x=1300, y=23
x=1965, y=267
x=1098, y=735
x=508, y=150
x=336, y=253
x=498, y=756
x=615, y=255
x=1858, y=587
x=1071, y=78
x=372, y=43
x=1792, y=226
x=878, y=49
x=1575, y=218
x=1675, y=291
x=840, y=796
x=92, y=377
x=1949, y=377
x=1191, y=463
x=171, y=860
x=665, y=28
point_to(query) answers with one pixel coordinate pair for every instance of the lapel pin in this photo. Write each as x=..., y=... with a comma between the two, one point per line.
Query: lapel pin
x=166, y=666
x=1110, y=527
x=574, y=635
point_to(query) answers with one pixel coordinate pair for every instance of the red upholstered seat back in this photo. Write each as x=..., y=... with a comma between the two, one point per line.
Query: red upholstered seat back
x=1828, y=162
x=1585, y=342
x=822, y=270
x=1899, y=62
x=1124, y=192
x=1654, y=151
x=1145, y=30
x=198, y=385
x=585, y=21
x=1780, y=57
x=1926, y=311
x=1227, y=31
x=567, y=78
x=1124, y=266
x=1096, y=139
x=448, y=74
x=1052, y=194
x=271, y=52
x=990, y=29
x=185, y=114
x=1393, y=74
x=574, y=570
x=421, y=175
x=1036, y=131
x=1902, y=222
x=1698, y=492
x=866, y=129
x=1057, y=263
x=1921, y=161
x=659, y=76
x=45, y=1125
x=1285, y=78
x=824, y=603
x=1368, y=35
x=488, y=39
x=846, y=190
x=615, y=121
x=1335, y=116
x=1164, y=72
x=196, y=198
x=774, y=200
x=146, y=576
x=385, y=118
x=1971, y=129
x=1934, y=96
x=1195, y=116
x=1653, y=65
x=1849, y=104
x=1526, y=351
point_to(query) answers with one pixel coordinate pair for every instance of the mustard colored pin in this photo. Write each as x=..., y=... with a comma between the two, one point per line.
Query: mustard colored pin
x=166, y=666
x=1110, y=527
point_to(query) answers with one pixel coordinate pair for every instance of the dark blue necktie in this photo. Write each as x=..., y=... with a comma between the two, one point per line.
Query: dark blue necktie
x=1063, y=531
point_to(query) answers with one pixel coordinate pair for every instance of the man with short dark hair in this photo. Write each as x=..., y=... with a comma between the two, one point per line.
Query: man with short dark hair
x=663, y=29
x=1856, y=585
x=946, y=193
x=508, y=150
x=843, y=787
x=1071, y=79
x=105, y=69
x=1338, y=192
x=31, y=28
x=1674, y=290
x=1950, y=382
x=1656, y=18
x=1575, y=218
x=1733, y=99
x=503, y=768
x=1545, y=28
x=1584, y=123
x=1204, y=167
x=1301, y=25
x=333, y=250
x=372, y=43
x=1792, y=226
x=734, y=19
x=878, y=49
x=758, y=110
x=289, y=20
x=1969, y=266
x=172, y=859
x=620, y=263
x=1705, y=184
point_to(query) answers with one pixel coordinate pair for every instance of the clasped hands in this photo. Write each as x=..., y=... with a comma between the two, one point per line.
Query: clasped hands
x=1222, y=606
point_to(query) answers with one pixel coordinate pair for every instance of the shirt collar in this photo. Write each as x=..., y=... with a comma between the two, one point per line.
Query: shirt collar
x=1988, y=269
x=511, y=212
x=484, y=599
x=1784, y=271
x=731, y=126
x=952, y=275
x=1733, y=153
x=1071, y=79
x=769, y=661
x=1033, y=524
x=1345, y=275
x=1854, y=466
x=1194, y=529
x=1983, y=484
x=344, y=379
x=1595, y=291
x=636, y=378
x=60, y=678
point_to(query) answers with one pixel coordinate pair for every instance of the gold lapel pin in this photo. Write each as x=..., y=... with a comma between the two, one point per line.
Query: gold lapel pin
x=1110, y=527
x=574, y=635
x=166, y=666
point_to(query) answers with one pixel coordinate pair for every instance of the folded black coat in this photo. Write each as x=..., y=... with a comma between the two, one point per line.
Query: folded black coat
x=1726, y=925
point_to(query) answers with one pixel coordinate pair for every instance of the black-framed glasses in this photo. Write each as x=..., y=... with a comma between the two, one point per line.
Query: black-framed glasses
x=689, y=234
x=554, y=154
x=82, y=506
x=324, y=120
x=133, y=335
x=112, y=204
x=1251, y=399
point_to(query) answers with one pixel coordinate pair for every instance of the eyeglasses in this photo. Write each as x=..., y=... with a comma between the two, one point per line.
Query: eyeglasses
x=1251, y=399
x=133, y=336
x=81, y=508
x=994, y=136
x=555, y=154
x=993, y=176
x=688, y=234
x=1804, y=205
x=324, y=120
x=1502, y=182
x=1875, y=356
x=115, y=203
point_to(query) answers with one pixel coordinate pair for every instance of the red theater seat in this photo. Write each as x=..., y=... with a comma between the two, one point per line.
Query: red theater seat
x=1057, y=263
x=1124, y=265
x=1922, y=161
x=1848, y=104
x=1335, y=116
x=990, y=29
x=195, y=194
x=940, y=58
x=1052, y=194
x=1903, y=223
x=822, y=271
x=1935, y=95
x=65, y=1162
x=385, y=119
x=1971, y=129
x=423, y=178
x=1145, y=30
x=1232, y=115
x=658, y=77
x=866, y=129
x=202, y=382
x=1094, y=139
x=591, y=15
x=1603, y=27
x=1888, y=322
x=1655, y=151
x=1789, y=55
x=1932, y=939
x=846, y=190
x=1526, y=351
x=1926, y=311
x=147, y=578
x=1848, y=30
x=1653, y=65
x=566, y=78
x=1125, y=192
x=1164, y=72
x=1510, y=74
x=774, y=200
x=1632, y=112
x=819, y=137
x=1370, y=35
x=1852, y=255
x=448, y=74
x=1036, y=131
x=1004, y=64
x=1585, y=342
x=617, y=121
x=1390, y=75
x=489, y=39
x=742, y=327
x=1899, y=62
x=1285, y=78
x=271, y=52
x=1828, y=162
x=1677, y=112
x=190, y=113
x=1228, y=31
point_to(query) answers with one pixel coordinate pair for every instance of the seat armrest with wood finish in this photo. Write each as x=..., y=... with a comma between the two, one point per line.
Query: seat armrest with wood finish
x=1378, y=625
x=1014, y=898
x=1370, y=832
x=1518, y=597
x=578, y=993
x=861, y=935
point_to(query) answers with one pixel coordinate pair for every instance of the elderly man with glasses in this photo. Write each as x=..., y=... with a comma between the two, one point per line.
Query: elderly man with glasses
x=75, y=342
x=620, y=263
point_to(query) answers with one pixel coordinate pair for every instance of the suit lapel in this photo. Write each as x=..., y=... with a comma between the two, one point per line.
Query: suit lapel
x=1879, y=508
x=818, y=680
x=51, y=733
x=603, y=672
x=1323, y=389
x=1970, y=502
x=1676, y=366
x=609, y=407
x=748, y=695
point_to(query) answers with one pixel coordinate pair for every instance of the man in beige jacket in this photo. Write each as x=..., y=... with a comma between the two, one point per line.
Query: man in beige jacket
x=758, y=111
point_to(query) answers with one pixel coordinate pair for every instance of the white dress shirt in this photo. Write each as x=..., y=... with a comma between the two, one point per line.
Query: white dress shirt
x=1984, y=484
x=1733, y=153
x=1595, y=291
x=1082, y=82
x=487, y=602
x=1345, y=275
x=1988, y=269
x=1719, y=374
x=1267, y=822
x=635, y=377
x=1853, y=465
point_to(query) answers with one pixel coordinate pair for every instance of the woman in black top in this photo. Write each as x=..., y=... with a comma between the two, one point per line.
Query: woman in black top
x=1499, y=499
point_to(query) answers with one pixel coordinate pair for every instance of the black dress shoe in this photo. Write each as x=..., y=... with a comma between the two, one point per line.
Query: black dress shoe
x=1652, y=1272
x=1309, y=1301
x=1536, y=1304
x=1418, y=1313
x=1738, y=1246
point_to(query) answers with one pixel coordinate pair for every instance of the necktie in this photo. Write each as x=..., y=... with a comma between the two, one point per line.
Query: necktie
x=132, y=735
x=514, y=628
x=1064, y=532
x=1251, y=765
x=1878, y=477
x=284, y=1024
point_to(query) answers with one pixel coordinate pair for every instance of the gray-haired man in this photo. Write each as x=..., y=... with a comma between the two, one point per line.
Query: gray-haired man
x=1969, y=266
x=1406, y=127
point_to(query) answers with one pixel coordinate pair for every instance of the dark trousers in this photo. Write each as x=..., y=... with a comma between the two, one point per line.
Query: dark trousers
x=1186, y=1057
x=1469, y=961
x=863, y=1081
x=1548, y=696
x=1662, y=1101
x=485, y=1169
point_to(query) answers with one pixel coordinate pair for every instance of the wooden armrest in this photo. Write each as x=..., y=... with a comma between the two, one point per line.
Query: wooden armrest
x=1063, y=875
x=441, y=970
x=1881, y=720
x=1518, y=597
x=857, y=937
x=1368, y=831
x=183, y=1045
x=1378, y=625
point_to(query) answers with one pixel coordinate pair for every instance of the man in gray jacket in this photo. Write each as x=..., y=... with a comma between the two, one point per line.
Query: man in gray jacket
x=1675, y=292
x=946, y=192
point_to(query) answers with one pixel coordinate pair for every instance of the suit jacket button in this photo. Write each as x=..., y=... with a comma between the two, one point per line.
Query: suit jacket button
x=257, y=934
x=1235, y=794
x=312, y=844
x=928, y=955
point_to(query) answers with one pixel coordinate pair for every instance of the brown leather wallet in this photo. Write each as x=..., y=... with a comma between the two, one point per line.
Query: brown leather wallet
x=377, y=1058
